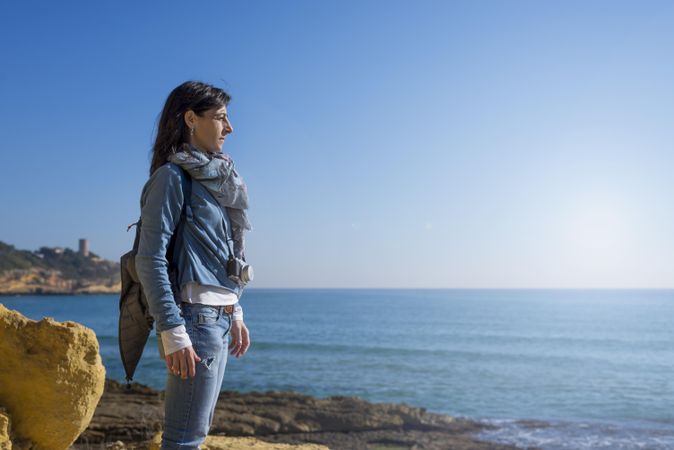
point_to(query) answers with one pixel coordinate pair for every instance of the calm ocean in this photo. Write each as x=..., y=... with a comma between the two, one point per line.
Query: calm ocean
x=596, y=365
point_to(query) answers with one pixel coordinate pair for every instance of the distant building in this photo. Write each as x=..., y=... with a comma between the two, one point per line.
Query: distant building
x=84, y=247
x=58, y=250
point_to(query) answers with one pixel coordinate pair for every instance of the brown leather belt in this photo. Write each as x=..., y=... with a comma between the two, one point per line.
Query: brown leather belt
x=222, y=309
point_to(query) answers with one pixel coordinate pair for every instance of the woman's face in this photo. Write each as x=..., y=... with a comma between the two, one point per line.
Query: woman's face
x=210, y=128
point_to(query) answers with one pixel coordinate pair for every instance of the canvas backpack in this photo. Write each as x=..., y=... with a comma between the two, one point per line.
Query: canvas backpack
x=135, y=321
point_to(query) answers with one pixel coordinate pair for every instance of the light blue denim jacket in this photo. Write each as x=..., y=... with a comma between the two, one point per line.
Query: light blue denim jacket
x=200, y=251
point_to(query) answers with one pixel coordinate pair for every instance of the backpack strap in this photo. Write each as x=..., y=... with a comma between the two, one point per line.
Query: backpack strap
x=186, y=181
x=186, y=212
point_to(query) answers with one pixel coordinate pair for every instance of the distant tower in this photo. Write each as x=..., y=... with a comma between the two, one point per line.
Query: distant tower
x=84, y=247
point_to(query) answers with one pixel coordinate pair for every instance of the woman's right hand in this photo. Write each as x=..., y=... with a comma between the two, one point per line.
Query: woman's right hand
x=183, y=362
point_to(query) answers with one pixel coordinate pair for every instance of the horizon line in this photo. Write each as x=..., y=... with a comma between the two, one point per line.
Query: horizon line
x=476, y=288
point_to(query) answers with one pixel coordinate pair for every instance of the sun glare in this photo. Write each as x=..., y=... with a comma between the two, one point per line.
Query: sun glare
x=597, y=232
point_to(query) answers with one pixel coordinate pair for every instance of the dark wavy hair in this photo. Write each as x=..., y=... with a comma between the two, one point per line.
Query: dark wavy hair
x=172, y=131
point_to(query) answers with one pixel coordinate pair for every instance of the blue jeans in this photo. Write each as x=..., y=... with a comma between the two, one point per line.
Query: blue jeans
x=189, y=403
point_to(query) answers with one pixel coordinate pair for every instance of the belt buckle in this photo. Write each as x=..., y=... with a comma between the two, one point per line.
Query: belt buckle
x=229, y=309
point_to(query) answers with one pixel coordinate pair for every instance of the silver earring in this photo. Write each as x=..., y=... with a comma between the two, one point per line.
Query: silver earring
x=191, y=131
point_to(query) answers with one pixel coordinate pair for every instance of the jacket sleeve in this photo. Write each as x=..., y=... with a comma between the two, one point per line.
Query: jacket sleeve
x=161, y=206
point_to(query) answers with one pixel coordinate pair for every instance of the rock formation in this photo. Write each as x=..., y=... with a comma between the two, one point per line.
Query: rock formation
x=5, y=443
x=51, y=379
x=36, y=281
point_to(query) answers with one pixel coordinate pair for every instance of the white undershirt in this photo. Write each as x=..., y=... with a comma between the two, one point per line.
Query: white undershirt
x=194, y=292
x=176, y=338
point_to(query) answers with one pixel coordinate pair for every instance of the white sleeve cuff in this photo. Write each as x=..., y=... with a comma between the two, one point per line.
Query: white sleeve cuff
x=175, y=339
x=238, y=312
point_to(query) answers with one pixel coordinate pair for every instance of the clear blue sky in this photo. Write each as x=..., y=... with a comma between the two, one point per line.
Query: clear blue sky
x=384, y=143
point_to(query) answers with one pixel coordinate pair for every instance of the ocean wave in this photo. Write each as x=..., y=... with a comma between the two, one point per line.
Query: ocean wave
x=581, y=435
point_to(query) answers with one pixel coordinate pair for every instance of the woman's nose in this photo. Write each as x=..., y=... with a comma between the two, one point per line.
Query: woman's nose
x=228, y=128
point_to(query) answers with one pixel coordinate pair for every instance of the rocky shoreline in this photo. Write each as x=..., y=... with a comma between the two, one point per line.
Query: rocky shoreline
x=133, y=416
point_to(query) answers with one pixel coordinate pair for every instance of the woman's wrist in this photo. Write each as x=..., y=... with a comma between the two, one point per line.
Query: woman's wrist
x=175, y=339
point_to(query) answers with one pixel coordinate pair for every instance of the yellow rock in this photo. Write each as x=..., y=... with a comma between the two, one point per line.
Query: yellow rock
x=5, y=442
x=241, y=443
x=51, y=378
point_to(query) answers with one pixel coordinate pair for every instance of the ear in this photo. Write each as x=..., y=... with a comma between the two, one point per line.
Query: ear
x=190, y=118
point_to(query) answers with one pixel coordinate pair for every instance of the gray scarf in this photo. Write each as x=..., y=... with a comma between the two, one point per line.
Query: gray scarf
x=215, y=171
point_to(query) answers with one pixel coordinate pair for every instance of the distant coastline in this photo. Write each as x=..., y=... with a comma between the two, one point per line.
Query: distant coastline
x=56, y=271
x=4, y=293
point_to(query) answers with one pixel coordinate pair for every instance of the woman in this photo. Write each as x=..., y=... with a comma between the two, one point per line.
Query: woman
x=194, y=192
